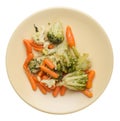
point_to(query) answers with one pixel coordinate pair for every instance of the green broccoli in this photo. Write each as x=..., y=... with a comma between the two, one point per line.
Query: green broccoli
x=75, y=81
x=64, y=59
x=34, y=64
x=67, y=59
x=55, y=34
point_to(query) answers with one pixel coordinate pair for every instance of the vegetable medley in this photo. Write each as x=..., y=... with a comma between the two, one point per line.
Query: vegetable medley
x=53, y=63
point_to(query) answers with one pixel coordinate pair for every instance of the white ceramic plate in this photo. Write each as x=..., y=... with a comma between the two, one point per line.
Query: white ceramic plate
x=90, y=38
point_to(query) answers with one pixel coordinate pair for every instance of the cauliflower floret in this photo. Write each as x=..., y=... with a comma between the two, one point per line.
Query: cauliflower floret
x=39, y=35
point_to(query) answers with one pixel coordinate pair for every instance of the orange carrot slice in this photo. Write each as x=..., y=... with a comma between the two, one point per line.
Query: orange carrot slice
x=33, y=44
x=56, y=91
x=42, y=89
x=62, y=90
x=31, y=80
x=91, y=75
x=27, y=60
x=50, y=72
x=87, y=93
x=28, y=46
x=49, y=63
x=70, y=37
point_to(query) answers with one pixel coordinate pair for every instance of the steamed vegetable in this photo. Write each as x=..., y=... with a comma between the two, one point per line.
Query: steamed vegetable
x=56, y=91
x=49, y=82
x=91, y=75
x=55, y=34
x=39, y=35
x=88, y=93
x=49, y=63
x=54, y=64
x=83, y=62
x=50, y=72
x=75, y=81
x=26, y=62
x=42, y=89
x=70, y=37
x=71, y=41
x=34, y=64
x=66, y=60
x=31, y=80
x=63, y=90
x=28, y=47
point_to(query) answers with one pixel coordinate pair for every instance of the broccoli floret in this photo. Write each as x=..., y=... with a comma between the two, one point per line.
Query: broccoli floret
x=66, y=64
x=66, y=61
x=55, y=34
x=34, y=64
x=75, y=80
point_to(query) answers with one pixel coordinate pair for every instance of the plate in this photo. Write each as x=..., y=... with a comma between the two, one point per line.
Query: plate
x=90, y=38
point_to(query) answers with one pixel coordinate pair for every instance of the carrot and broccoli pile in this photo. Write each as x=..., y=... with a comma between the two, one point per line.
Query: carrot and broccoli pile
x=53, y=63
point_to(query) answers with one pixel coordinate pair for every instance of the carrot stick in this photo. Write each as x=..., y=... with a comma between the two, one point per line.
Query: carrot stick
x=53, y=87
x=38, y=49
x=70, y=37
x=56, y=91
x=27, y=60
x=33, y=44
x=46, y=88
x=40, y=86
x=28, y=46
x=40, y=73
x=50, y=72
x=87, y=93
x=42, y=89
x=35, y=79
x=62, y=90
x=49, y=63
x=44, y=76
x=31, y=80
x=91, y=75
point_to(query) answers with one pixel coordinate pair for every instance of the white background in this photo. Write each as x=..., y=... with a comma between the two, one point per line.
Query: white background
x=105, y=12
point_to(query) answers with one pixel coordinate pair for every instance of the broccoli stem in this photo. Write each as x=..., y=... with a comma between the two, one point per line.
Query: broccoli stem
x=75, y=51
